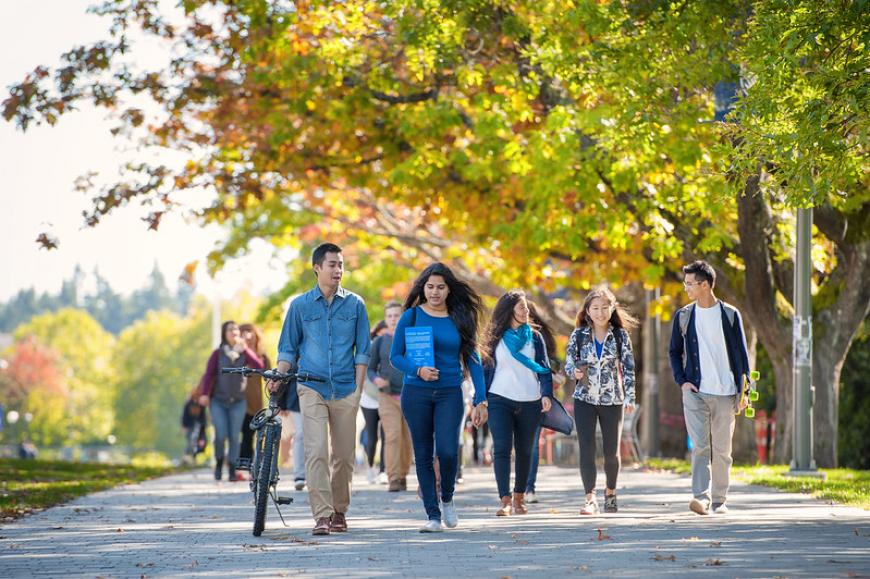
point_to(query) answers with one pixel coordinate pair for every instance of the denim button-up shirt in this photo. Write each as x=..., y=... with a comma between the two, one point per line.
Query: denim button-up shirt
x=327, y=340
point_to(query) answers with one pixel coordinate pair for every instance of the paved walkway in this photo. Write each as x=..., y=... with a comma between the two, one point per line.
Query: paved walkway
x=189, y=525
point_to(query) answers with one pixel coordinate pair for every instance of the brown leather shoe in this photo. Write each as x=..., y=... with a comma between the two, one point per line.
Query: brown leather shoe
x=520, y=504
x=322, y=526
x=395, y=486
x=505, y=510
x=338, y=524
x=403, y=484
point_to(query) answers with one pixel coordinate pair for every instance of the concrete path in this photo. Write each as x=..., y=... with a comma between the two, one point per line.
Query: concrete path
x=188, y=525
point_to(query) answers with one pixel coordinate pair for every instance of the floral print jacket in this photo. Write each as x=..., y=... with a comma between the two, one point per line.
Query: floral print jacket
x=610, y=382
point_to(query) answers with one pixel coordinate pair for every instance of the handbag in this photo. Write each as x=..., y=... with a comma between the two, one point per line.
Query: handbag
x=557, y=418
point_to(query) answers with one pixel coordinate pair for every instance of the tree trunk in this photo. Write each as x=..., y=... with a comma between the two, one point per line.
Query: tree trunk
x=744, y=449
x=826, y=379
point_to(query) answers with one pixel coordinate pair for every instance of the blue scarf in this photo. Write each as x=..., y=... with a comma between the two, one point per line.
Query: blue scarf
x=515, y=340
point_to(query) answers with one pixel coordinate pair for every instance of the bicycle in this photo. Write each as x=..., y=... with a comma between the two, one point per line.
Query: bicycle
x=264, y=464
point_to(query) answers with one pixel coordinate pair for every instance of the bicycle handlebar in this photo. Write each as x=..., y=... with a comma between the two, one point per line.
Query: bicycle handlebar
x=274, y=375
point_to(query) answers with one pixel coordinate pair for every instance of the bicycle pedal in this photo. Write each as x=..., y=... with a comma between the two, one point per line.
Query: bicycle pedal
x=283, y=500
x=243, y=464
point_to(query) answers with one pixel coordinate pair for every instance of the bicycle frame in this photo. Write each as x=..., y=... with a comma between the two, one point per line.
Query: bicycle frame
x=264, y=463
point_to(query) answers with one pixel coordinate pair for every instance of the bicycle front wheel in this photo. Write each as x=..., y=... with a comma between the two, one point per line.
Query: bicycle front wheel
x=264, y=479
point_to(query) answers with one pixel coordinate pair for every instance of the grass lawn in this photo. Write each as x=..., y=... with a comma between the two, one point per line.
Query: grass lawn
x=846, y=486
x=26, y=485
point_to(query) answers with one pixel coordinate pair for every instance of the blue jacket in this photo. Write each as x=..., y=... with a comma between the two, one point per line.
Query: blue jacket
x=541, y=358
x=683, y=351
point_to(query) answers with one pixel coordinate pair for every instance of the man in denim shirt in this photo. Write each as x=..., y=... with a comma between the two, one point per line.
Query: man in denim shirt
x=326, y=334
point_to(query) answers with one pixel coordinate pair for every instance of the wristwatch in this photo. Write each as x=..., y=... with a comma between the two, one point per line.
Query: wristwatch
x=483, y=403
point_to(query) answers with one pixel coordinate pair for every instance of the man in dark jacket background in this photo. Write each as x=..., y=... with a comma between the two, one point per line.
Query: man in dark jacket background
x=710, y=363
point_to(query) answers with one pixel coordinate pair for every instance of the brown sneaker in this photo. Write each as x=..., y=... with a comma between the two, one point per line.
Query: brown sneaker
x=338, y=524
x=505, y=510
x=520, y=504
x=395, y=486
x=322, y=526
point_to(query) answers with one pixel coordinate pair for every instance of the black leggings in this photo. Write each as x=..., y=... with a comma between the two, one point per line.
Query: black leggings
x=372, y=418
x=246, y=450
x=610, y=417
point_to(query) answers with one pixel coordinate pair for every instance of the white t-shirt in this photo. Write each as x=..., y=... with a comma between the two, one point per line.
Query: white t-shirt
x=513, y=380
x=366, y=401
x=716, y=376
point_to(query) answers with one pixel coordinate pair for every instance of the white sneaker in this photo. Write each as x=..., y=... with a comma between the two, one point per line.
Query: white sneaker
x=531, y=497
x=383, y=478
x=590, y=508
x=372, y=475
x=720, y=509
x=451, y=519
x=432, y=526
x=698, y=506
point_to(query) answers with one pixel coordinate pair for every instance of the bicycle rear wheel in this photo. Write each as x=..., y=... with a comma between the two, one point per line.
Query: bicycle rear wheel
x=264, y=478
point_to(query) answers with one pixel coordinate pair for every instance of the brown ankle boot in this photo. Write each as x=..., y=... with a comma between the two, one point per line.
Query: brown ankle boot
x=520, y=504
x=505, y=510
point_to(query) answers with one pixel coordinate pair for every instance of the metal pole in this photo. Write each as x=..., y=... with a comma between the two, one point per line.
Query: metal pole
x=802, y=348
x=651, y=332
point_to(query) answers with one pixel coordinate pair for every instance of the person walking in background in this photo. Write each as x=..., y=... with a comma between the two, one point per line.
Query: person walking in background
x=599, y=356
x=193, y=423
x=710, y=362
x=369, y=404
x=225, y=395
x=296, y=440
x=326, y=334
x=432, y=392
x=397, y=437
x=519, y=385
x=546, y=332
x=253, y=390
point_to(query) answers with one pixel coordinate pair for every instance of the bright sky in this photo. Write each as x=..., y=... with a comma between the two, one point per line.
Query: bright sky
x=38, y=168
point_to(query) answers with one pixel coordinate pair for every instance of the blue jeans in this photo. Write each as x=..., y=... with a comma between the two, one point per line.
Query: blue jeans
x=227, y=420
x=434, y=416
x=533, y=468
x=513, y=425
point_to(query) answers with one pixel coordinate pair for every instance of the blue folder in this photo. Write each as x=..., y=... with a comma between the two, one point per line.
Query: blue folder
x=420, y=345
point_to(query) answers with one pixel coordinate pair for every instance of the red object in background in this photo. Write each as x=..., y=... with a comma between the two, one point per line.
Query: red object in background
x=765, y=435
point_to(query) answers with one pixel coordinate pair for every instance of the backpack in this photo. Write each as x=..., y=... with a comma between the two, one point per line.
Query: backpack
x=685, y=314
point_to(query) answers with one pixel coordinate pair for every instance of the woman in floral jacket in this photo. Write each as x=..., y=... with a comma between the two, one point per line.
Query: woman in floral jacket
x=600, y=358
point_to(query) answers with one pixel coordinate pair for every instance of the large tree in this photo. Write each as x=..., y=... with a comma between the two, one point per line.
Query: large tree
x=548, y=144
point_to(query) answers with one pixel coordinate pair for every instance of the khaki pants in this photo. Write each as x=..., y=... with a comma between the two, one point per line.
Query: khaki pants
x=710, y=421
x=328, y=479
x=397, y=437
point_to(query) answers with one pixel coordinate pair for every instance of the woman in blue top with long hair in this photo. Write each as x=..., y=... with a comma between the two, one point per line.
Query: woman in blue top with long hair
x=432, y=395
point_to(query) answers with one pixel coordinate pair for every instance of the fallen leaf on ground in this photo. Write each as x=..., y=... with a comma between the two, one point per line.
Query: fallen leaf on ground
x=303, y=541
x=692, y=539
x=715, y=543
x=714, y=562
x=602, y=536
x=493, y=547
x=660, y=557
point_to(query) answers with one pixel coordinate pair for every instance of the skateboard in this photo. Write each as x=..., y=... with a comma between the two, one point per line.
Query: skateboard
x=749, y=394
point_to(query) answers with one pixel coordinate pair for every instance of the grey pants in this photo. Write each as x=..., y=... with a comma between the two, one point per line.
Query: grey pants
x=298, y=447
x=710, y=421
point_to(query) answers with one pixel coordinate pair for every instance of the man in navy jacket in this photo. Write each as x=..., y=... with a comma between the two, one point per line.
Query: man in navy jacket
x=710, y=363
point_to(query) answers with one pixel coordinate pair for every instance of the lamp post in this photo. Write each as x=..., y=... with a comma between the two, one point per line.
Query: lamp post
x=802, y=463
